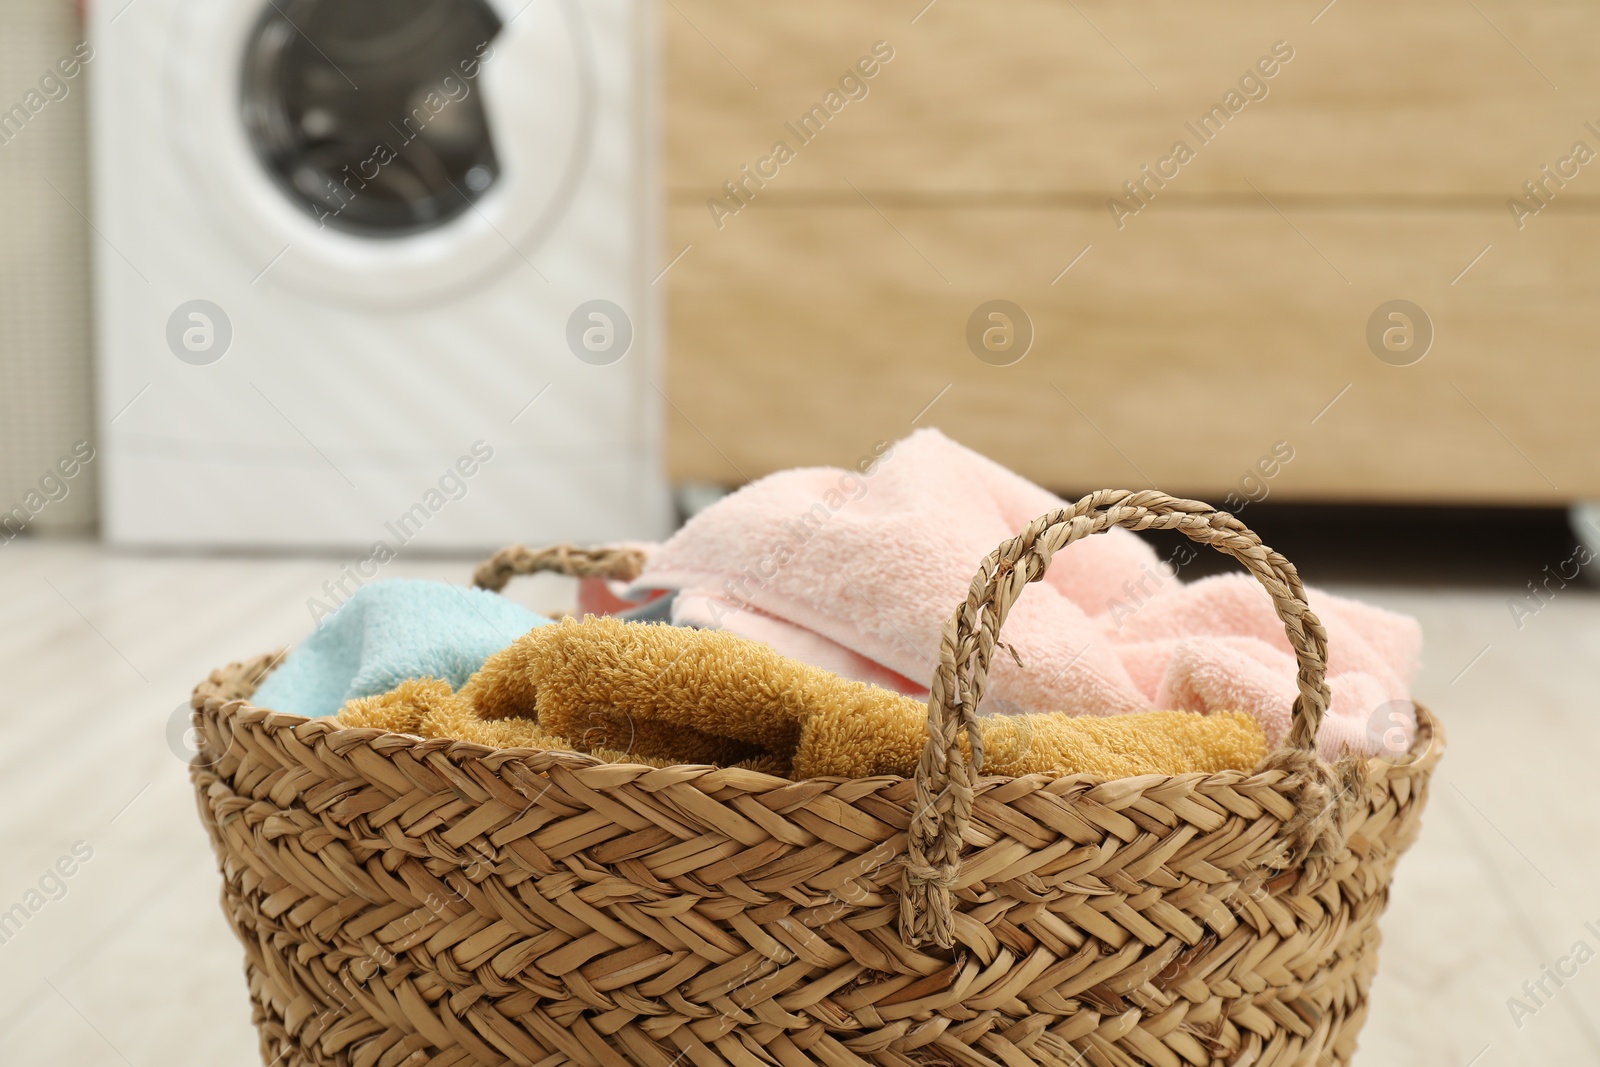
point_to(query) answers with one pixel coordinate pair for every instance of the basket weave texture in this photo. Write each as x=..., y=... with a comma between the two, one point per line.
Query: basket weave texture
x=406, y=902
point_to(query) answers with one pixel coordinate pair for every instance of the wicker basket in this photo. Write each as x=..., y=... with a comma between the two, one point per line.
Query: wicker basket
x=406, y=902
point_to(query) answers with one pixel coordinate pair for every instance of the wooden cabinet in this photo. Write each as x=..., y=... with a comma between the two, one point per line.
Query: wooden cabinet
x=1330, y=167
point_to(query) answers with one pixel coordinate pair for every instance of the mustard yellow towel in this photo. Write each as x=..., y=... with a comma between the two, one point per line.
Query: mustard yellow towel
x=656, y=694
x=427, y=708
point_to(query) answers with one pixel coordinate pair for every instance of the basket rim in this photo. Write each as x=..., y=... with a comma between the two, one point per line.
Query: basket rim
x=1427, y=746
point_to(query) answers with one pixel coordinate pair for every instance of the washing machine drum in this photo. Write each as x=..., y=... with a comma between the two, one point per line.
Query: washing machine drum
x=369, y=115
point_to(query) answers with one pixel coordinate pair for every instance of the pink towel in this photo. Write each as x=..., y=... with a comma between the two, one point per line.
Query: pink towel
x=857, y=571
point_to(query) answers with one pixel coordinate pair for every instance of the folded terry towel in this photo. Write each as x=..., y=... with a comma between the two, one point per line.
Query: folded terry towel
x=649, y=693
x=858, y=571
x=390, y=631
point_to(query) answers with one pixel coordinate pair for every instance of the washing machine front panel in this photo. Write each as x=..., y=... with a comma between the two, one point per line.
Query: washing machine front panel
x=489, y=126
x=363, y=366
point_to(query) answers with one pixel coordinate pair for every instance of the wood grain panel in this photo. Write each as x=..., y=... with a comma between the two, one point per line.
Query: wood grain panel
x=1429, y=99
x=1175, y=354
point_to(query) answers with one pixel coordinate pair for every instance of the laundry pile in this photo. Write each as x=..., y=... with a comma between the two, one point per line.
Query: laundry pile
x=789, y=627
x=858, y=572
x=661, y=695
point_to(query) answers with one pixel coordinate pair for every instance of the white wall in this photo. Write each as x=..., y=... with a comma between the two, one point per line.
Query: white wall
x=45, y=388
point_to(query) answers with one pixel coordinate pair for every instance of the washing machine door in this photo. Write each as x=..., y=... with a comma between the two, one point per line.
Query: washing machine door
x=365, y=114
x=385, y=153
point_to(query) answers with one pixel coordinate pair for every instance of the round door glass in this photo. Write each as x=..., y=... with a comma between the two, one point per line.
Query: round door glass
x=371, y=116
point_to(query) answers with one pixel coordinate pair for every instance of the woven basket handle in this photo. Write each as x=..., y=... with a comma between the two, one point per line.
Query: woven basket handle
x=493, y=573
x=946, y=777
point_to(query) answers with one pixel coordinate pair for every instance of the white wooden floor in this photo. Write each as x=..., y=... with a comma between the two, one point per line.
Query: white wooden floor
x=133, y=965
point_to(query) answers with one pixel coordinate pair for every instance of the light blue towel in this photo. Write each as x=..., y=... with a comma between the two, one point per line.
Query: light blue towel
x=390, y=631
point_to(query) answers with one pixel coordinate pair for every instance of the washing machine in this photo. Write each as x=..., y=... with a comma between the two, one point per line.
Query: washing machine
x=376, y=273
